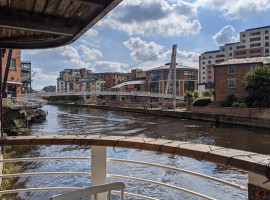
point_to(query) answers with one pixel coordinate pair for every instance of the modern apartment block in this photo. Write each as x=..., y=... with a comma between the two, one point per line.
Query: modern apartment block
x=253, y=43
x=186, y=79
x=26, y=77
x=114, y=78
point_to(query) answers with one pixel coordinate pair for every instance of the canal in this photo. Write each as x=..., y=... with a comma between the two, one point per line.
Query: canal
x=89, y=121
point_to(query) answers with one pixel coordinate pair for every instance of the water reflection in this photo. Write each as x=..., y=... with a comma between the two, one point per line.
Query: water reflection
x=86, y=121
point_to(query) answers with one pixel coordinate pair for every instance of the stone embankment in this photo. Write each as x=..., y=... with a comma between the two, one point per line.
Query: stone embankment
x=246, y=120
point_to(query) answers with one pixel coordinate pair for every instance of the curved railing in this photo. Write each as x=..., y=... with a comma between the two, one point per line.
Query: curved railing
x=229, y=157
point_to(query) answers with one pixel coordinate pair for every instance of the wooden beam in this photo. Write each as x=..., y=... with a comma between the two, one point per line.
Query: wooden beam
x=14, y=19
x=92, y=2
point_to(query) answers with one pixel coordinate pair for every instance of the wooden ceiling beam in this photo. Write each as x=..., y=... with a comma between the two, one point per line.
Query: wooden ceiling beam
x=93, y=2
x=14, y=19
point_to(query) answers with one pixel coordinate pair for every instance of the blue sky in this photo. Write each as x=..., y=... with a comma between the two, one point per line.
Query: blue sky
x=139, y=29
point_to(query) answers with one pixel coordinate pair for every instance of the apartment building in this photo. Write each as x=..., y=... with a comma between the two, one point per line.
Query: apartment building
x=68, y=79
x=14, y=82
x=186, y=79
x=26, y=77
x=114, y=78
x=230, y=75
x=253, y=43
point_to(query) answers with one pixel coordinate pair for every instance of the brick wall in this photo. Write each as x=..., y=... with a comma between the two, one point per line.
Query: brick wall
x=221, y=83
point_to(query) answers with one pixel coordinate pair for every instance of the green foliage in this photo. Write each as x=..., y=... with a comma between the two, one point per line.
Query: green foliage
x=243, y=105
x=235, y=104
x=64, y=98
x=195, y=94
x=207, y=93
x=202, y=101
x=229, y=101
x=257, y=83
x=188, y=95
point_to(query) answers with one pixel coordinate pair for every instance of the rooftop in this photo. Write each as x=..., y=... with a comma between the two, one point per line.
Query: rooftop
x=264, y=60
x=133, y=82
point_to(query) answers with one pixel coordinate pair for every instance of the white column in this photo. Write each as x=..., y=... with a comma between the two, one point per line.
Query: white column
x=99, y=168
x=258, y=187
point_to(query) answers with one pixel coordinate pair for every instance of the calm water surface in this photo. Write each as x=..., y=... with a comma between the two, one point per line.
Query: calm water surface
x=88, y=121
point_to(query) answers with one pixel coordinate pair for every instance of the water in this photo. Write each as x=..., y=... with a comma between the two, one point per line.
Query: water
x=87, y=121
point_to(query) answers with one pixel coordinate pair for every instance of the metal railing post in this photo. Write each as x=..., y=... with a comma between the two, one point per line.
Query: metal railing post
x=258, y=187
x=99, y=168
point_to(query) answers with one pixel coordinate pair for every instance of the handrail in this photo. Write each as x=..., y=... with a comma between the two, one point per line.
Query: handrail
x=93, y=190
x=248, y=161
x=124, y=161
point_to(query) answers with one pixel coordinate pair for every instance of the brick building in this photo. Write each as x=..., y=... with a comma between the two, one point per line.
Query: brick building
x=253, y=43
x=14, y=83
x=114, y=78
x=229, y=76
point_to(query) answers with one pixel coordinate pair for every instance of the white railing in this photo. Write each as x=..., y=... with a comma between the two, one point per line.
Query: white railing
x=114, y=176
x=94, y=190
x=106, y=93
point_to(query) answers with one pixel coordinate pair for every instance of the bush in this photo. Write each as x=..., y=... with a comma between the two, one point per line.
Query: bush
x=229, y=101
x=235, y=104
x=189, y=95
x=207, y=93
x=64, y=98
x=195, y=94
x=242, y=105
x=202, y=101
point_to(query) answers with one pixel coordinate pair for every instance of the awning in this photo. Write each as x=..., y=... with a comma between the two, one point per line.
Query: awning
x=31, y=24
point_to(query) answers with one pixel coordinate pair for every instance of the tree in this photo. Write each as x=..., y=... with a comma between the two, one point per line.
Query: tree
x=257, y=83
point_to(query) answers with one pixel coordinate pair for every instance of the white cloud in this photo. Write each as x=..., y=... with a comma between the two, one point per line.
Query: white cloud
x=141, y=50
x=225, y=35
x=91, y=33
x=235, y=9
x=153, y=18
x=89, y=54
x=107, y=66
x=190, y=59
x=42, y=79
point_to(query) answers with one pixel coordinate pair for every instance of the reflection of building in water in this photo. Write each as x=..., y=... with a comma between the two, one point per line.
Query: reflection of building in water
x=14, y=82
x=26, y=77
x=186, y=79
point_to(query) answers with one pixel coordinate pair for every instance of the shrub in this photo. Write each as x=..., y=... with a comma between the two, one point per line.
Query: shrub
x=202, y=101
x=242, y=105
x=189, y=95
x=229, y=101
x=235, y=104
x=195, y=94
x=207, y=93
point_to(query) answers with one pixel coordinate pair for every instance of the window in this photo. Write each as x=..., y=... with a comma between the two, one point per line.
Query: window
x=209, y=72
x=243, y=41
x=231, y=70
x=255, y=45
x=209, y=61
x=230, y=54
x=203, y=58
x=240, y=53
x=203, y=78
x=266, y=50
x=210, y=56
x=209, y=77
x=13, y=64
x=222, y=49
x=240, y=47
x=243, y=35
x=255, y=33
x=209, y=66
x=203, y=68
x=267, y=37
x=267, y=44
x=266, y=32
x=255, y=51
x=231, y=83
x=230, y=48
x=203, y=62
x=203, y=73
x=255, y=39
x=252, y=66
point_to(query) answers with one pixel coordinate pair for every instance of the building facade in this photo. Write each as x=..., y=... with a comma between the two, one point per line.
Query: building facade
x=14, y=82
x=115, y=78
x=26, y=77
x=253, y=43
x=229, y=76
x=186, y=79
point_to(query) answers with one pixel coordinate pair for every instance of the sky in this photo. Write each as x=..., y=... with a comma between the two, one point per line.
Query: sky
x=137, y=30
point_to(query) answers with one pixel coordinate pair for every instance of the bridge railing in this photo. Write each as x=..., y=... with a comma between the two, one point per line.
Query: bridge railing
x=255, y=164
